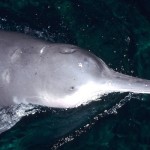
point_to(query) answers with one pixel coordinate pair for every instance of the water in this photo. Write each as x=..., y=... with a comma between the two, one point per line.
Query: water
x=9, y=116
x=119, y=33
x=51, y=128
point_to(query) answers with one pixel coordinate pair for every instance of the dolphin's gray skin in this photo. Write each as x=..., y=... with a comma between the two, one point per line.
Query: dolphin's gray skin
x=56, y=75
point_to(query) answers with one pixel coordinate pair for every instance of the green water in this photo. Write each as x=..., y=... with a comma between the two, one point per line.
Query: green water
x=118, y=31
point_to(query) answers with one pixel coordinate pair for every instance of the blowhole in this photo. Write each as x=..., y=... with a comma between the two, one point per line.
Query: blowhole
x=68, y=50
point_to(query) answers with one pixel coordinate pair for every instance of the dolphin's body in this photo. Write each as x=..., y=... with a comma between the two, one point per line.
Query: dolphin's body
x=56, y=75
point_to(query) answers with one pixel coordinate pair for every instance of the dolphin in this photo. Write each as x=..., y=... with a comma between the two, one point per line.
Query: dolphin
x=56, y=75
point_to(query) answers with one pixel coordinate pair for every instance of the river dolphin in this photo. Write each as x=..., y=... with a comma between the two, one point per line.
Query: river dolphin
x=56, y=75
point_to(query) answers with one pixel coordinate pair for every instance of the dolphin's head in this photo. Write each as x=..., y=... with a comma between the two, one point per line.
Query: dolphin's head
x=73, y=75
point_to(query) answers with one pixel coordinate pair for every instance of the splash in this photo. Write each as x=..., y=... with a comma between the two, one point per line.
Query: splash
x=9, y=116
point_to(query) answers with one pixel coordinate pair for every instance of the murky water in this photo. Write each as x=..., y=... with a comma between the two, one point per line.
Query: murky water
x=116, y=31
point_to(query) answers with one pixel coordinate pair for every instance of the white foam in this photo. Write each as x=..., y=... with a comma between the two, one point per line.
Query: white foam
x=11, y=115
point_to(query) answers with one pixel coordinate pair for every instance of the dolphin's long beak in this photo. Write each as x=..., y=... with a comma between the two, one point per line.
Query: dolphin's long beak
x=125, y=83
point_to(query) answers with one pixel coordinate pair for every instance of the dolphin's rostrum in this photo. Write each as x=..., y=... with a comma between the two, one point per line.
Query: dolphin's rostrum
x=56, y=75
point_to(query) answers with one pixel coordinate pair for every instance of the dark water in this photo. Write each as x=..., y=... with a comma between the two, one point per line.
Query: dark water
x=119, y=33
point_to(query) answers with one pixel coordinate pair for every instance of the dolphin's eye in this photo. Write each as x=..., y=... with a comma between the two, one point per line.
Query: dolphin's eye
x=72, y=88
